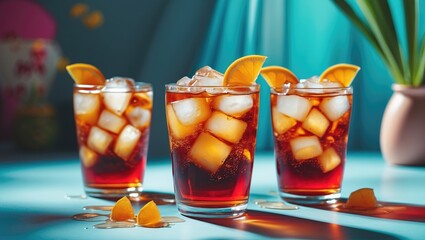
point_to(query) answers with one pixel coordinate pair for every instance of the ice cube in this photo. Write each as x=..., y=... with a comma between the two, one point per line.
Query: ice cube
x=293, y=106
x=143, y=99
x=99, y=140
x=116, y=94
x=207, y=81
x=111, y=122
x=226, y=127
x=177, y=130
x=86, y=107
x=206, y=76
x=88, y=157
x=281, y=122
x=119, y=82
x=335, y=107
x=316, y=123
x=139, y=117
x=233, y=105
x=127, y=141
x=329, y=160
x=184, y=81
x=191, y=110
x=209, y=152
x=207, y=71
x=329, y=84
x=305, y=147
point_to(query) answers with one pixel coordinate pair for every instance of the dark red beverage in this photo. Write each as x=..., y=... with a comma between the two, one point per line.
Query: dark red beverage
x=310, y=129
x=113, y=132
x=212, y=142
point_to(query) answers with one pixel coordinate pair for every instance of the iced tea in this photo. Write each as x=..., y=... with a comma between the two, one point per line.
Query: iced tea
x=310, y=127
x=212, y=133
x=112, y=124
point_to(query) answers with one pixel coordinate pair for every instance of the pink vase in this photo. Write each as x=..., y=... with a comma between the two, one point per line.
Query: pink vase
x=403, y=126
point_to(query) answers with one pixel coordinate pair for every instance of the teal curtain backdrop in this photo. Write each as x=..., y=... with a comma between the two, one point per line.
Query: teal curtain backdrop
x=307, y=37
x=161, y=41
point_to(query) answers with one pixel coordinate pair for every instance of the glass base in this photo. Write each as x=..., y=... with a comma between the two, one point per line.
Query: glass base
x=310, y=200
x=114, y=193
x=225, y=212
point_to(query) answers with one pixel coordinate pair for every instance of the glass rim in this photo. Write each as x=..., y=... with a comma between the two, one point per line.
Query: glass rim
x=138, y=86
x=174, y=85
x=286, y=89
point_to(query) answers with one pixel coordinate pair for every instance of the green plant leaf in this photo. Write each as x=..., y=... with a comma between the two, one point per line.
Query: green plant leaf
x=358, y=22
x=420, y=70
x=411, y=23
x=379, y=17
x=363, y=27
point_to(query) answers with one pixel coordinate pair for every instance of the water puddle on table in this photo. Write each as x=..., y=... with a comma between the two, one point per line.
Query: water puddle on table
x=81, y=196
x=278, y=205
x=101, y=214
x=106, y=223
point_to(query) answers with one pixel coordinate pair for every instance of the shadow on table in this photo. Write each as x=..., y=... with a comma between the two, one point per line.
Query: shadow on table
x=387, y=210
x=281, y=226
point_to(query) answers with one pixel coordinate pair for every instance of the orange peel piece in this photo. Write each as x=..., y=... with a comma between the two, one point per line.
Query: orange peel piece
x=244, y=71
x=83, y=73
x=149, y=215
x=363, y=198
x=276, y=76
x=343, y=73
x=122, y=210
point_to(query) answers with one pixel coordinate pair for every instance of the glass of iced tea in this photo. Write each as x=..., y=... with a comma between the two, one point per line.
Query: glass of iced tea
x=212, y=132
x=310, y=132
x=311, y=120
x=112, y=122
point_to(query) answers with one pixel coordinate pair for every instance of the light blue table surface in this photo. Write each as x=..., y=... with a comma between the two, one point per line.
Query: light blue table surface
x=33, y=204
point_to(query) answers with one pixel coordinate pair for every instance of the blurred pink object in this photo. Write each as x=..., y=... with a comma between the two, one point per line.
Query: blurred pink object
x=25, y=19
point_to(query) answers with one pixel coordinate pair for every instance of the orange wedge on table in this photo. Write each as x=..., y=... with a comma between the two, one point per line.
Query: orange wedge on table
x=363, y=198
x=276, y=76
x=343, y=73
x=122, y=210
x=83, y=73
x=148, y=215
x=244, y=71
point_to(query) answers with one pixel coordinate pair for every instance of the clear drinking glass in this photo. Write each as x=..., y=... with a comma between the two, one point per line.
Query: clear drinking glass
x=212, y=133
x=310, y=128
x=112, y=123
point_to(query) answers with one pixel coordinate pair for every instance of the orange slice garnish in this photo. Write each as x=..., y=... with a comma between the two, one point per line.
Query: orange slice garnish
x=363, y=198
x=276, y=76
x=244, y=71
x=343, y=73
x=122, y=210
x=83, y=73
x=148, y=215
